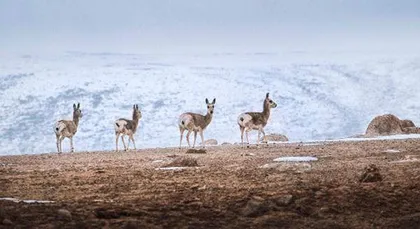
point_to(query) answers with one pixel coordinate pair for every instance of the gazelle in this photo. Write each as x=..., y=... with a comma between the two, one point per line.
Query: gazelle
x=195, y=123
x=127, y=127
x=255, y=120
x=67, y=128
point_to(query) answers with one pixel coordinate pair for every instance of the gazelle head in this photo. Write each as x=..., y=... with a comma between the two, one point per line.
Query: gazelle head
x=136, y=112
x=269, y=102
x=210, y=106
x=77, y=113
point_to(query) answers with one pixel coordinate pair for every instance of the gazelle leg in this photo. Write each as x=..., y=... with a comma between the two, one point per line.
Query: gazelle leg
x=57, y=142
x=262, y=130
x=128, y=144
x=134, y=143
x=122, y=139
x=71, y=145
x=202, y=139
x=242, y=135
x=259, y=135
x=188, y=138
x=117, y=135
x=61, y=141
x=181, y=130
x=195, y=137
x=247, y=139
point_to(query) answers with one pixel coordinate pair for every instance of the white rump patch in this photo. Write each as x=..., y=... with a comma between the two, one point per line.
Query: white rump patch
x=120, y=127
x=59, y=126
x=295, y=159
x=246, y=119
x=184, y=120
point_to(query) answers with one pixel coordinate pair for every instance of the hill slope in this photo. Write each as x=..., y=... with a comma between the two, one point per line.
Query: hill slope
x=317, y=99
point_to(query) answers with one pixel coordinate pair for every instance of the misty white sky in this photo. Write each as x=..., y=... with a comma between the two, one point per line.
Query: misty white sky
x=222, y=25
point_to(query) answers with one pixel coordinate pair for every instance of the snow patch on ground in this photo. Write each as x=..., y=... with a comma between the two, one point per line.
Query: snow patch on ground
x=391, y=151
x=295, y=159
x=174, y=168
x=27, y=201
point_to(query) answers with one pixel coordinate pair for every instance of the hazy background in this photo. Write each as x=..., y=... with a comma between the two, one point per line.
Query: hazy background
x=164, y=26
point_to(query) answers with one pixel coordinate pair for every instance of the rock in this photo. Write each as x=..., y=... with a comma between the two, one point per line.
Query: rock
x=303, y=201
x=412, y=130
x=132, y=225
x=275, y=138
x=226, y=143
x=198, y=187
x=389, y=124
x=249, y=154
x=323, y=212
x=7, y=222
x=64, y=214
x=258, y=198
x=407, y=123
x=281, y=220
x=196, y=151
x=407, y=221
x=284, y=200
x=304, y=205
x=270, y=166
x=319, y=194
x=211, y=142
x=384, y=125
x=256, y=206
x=370, y=174
x=102, y=213
x=286, y=167
x=183, y=162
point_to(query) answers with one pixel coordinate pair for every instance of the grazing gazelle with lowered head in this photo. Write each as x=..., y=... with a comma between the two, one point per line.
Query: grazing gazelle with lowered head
x=127, y=127
x=255, y=120
x=67, y=128
x=195, y=123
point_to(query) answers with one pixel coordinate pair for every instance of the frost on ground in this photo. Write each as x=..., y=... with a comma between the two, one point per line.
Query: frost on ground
x=295, y=159
x=15, y=200
x=317, y=99
x=391, y=151
x=172, y=168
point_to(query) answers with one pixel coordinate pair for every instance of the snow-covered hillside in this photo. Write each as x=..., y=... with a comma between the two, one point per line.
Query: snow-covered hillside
x=317, y=100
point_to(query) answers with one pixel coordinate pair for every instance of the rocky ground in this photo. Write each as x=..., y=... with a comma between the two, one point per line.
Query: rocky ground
x=370, y=184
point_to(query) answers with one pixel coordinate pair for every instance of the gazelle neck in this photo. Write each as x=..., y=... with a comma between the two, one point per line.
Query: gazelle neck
x=135, y=120
x=208, y=118
x=266, y=110
x=76, y=120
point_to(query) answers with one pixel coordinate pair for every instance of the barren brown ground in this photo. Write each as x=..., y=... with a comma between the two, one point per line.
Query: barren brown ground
x=226, y=190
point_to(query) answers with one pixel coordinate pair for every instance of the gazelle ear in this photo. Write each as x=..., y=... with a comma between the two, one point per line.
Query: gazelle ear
x=78, y=105
x=74, y=106
x=214, y=101
x=268, y=94
x=134, y=106
x=137, y=106
x=207, y=101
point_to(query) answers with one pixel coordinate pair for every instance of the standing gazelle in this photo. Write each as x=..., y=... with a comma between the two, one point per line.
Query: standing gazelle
x=195, y=123
x=255, y=120
x=67, y=128
x=127, y=127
